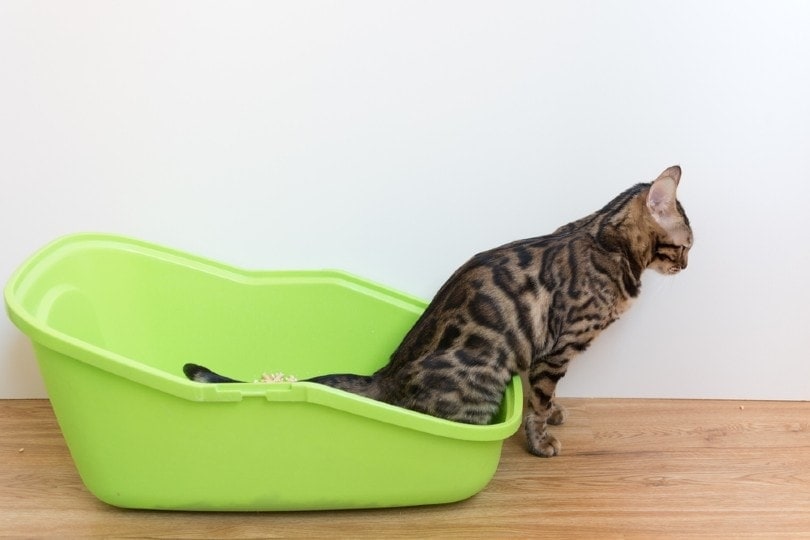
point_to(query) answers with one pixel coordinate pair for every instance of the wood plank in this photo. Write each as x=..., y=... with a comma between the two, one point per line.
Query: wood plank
x=629, y=469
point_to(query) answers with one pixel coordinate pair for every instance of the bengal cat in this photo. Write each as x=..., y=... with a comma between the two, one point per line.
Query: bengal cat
x=526, y=307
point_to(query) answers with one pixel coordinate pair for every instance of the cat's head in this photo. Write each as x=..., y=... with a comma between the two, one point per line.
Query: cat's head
x=671, y=230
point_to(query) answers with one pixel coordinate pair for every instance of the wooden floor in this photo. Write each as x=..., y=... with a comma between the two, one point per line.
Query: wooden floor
x=629, y=469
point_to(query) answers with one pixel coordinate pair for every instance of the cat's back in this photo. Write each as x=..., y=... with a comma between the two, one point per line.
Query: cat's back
x=496, y=297
x=509, y=292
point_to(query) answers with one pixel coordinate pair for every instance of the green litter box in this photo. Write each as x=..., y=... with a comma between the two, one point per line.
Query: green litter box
x=113, y=320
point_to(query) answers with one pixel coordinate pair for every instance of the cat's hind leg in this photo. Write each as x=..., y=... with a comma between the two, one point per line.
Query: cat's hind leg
x=543, y=377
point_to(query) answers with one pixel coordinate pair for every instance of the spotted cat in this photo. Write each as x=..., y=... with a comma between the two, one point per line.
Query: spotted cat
x=526, y=307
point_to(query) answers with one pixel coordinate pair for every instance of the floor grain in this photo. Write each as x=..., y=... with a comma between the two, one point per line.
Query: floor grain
x=629, y=469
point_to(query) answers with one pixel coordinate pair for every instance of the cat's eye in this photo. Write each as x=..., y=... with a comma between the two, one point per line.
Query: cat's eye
x=669, y=252
x=671, y=248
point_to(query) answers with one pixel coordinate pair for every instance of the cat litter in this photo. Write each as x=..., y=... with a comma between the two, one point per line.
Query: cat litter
x=111, y=320
x=276, y=378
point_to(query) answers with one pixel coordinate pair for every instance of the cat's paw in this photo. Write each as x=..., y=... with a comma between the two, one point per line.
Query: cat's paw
x=544, y=446
x=539, y=440
x=558, y=415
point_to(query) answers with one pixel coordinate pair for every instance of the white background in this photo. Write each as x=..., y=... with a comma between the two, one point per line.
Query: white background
x=396, y=139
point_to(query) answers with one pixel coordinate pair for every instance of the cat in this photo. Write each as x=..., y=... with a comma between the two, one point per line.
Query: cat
x=526, y=307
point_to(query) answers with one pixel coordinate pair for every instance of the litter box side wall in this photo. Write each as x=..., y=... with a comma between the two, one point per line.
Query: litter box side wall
x=138, y=447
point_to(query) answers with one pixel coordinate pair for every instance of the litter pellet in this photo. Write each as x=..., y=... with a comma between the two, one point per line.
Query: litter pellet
x=276, y=378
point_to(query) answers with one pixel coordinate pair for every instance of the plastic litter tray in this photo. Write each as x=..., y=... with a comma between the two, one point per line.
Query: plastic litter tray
x=113, y=320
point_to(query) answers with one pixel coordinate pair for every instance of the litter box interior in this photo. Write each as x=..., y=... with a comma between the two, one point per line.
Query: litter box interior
x=162, y=314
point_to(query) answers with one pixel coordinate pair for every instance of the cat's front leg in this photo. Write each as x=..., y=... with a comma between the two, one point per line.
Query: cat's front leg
x=543, y=378
x=540, y=442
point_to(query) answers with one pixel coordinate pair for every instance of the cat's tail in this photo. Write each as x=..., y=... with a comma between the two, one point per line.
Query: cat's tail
x=204, y=375
x=363, y=385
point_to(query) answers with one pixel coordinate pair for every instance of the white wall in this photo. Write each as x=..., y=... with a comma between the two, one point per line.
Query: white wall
x=396, y=139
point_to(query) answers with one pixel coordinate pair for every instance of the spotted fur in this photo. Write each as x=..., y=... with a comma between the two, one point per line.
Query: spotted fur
x=527, y=307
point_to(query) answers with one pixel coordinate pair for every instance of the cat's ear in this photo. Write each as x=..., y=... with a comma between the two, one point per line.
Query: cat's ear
x=662, y=199
x=673, y=172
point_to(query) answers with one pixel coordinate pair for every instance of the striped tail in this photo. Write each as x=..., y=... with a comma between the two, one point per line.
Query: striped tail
x=205, y=375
